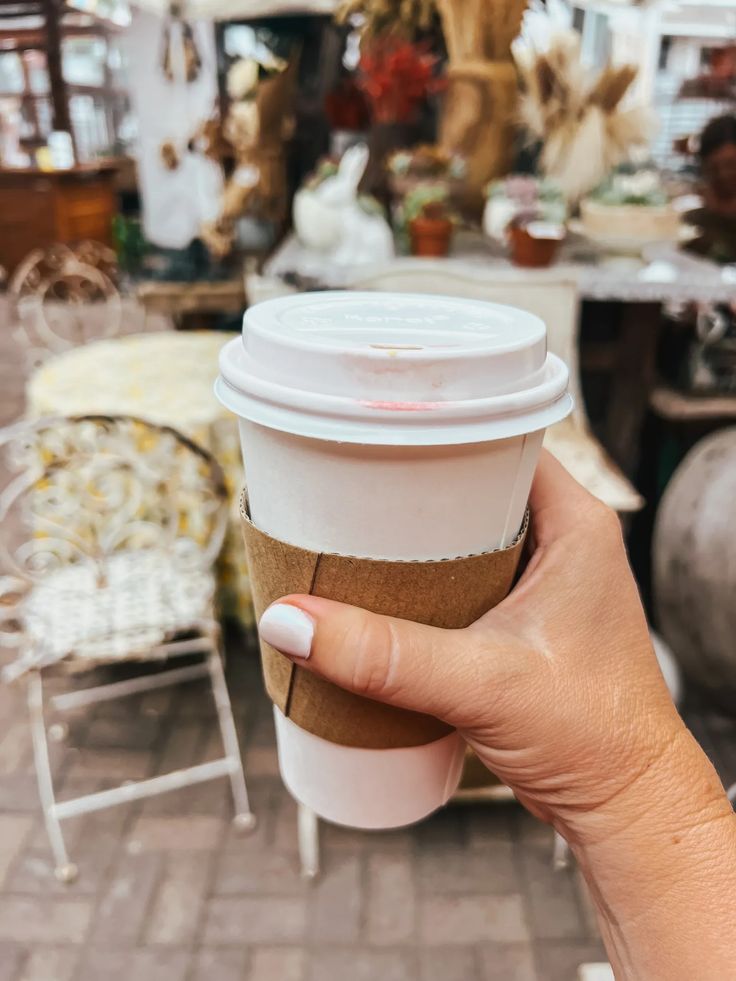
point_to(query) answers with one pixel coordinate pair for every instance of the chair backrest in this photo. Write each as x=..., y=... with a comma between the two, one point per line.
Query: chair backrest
x=79, y=490
x=62, y=297
x=553, y=299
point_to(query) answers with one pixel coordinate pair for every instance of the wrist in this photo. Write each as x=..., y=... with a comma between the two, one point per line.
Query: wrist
x=669, y=835
x=674, y=790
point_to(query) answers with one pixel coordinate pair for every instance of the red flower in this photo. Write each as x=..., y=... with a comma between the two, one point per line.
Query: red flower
x=396, y=77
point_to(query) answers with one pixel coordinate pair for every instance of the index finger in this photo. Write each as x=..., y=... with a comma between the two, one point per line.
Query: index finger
x=556, y=500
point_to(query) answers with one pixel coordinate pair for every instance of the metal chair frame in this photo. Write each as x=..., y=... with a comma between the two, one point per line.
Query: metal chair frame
x=98, y=437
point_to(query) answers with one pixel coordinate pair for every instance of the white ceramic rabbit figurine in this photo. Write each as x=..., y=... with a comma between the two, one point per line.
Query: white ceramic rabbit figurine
x=330, y=220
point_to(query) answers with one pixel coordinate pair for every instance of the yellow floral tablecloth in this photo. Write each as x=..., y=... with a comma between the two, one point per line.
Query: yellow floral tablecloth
x=166, y=378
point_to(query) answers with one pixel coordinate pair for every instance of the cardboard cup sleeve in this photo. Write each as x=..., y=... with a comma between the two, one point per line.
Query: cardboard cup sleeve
x=451, y=593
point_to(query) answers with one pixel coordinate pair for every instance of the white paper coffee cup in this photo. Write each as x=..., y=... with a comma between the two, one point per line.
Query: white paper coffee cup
x=387, y=426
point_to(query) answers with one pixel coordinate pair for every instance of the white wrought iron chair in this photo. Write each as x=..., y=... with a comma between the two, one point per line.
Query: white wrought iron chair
x=109, y=529
x=64, y=296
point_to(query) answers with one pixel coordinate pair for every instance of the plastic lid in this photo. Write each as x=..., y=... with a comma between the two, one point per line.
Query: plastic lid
x=393, y=368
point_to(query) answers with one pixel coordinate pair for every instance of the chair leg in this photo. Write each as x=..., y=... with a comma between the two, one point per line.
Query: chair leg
x=560, y=853
x=308, y=835
x=244, y=819
x=65, y=870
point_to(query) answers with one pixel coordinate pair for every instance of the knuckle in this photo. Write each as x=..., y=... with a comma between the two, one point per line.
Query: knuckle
x=375, y=654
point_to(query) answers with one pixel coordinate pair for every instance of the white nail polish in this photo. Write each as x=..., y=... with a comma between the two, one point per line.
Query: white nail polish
x=288, y=629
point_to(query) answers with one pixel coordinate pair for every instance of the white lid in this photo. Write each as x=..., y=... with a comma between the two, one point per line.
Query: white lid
x=398, y=368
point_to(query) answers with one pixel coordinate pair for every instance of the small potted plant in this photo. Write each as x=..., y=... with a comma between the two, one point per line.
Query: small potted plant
x=530, y=215
x=429, y=220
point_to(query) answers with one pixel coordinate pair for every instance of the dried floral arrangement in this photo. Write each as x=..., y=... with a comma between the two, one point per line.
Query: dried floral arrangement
x=479, y=114
x=404, y=17
x=578, y=117
x=480, y=30
x=396, y=76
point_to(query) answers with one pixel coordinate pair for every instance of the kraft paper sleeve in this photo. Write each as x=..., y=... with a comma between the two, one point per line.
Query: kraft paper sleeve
x=452, y=593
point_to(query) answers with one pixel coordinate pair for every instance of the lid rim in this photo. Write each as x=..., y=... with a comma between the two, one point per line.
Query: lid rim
x=274, y=305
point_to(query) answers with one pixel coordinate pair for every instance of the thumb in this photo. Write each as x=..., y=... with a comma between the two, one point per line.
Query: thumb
x=406, y=664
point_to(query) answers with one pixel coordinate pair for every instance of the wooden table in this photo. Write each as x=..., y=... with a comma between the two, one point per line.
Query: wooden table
x=40, y=208
x=640, y=286
x=192, y=302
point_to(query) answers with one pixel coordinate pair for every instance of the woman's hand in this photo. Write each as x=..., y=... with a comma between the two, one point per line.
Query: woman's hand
x=557, y=689
x=559, y=693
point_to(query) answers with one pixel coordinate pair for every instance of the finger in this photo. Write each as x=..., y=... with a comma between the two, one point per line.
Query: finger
x=557, y=502
x=390, y=660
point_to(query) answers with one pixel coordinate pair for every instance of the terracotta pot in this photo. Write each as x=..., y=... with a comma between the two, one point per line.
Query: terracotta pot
x=529, y=251
x=430, y=236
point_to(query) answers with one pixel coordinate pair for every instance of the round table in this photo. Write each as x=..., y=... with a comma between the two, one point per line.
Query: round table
x=166, y=378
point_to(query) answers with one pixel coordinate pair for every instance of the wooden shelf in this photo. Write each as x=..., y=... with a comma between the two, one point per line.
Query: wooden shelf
x=678, y=407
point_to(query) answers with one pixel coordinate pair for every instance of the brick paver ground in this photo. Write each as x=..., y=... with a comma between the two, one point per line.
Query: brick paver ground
x=169, y=892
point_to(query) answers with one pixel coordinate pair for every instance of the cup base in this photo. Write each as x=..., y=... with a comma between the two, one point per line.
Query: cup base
x=370, y=789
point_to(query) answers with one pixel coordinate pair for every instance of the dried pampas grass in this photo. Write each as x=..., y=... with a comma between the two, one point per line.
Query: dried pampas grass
x=405, y=17
x=579, y=119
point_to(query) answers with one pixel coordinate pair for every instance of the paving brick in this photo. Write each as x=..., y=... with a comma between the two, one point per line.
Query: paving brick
x=178, y=903
x=15, y=829
x=34, y=920
x=110, y=963
x=112, y=764
x=448, y=964
x=255, y=920
x=159, y=964
x=560, y=960
x=358, y=964
x=531, y=830
x=391, y=911
x=554, y=908
x=509, y=962
x=219, y=964
x=453, y=870
x=284, y=824
x=336, y=902
x=261, y=761
x=19, y=793
x=471, y=919
x=488, y=825
x=123, y=907
x=33, y=872
x=262, y=871
x=334, y=839
x=177, y=833
x=15, y=747
x=128, y=733
x=446, y=828
x=182, y=747
x=271, y=964
x=159, y=702
x=11, y=960
x=50, y=964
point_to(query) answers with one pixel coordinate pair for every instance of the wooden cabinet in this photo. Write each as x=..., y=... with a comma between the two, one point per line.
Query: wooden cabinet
x=39, y=209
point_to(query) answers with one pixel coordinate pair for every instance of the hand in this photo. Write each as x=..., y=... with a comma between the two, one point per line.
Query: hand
x=557, y=689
